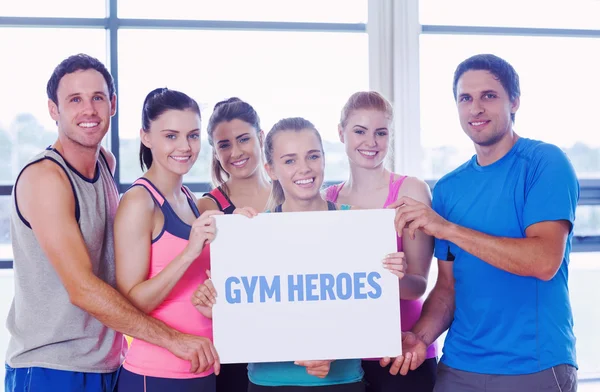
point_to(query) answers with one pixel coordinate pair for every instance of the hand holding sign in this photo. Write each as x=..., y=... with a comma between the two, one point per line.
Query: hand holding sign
x=205, y=297
x=414, y=353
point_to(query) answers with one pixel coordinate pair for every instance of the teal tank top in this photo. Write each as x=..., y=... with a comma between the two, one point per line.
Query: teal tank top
x=273, y=374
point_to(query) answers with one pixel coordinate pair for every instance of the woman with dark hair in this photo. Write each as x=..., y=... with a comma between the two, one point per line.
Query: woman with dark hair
x=237, y=167
x=161, y=247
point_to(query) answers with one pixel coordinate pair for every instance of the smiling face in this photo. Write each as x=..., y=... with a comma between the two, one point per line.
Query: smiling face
x=83, y=108
x=298, y=164
x=174, y=139
x=484, y=107
x=238, y=148
x=366, y=137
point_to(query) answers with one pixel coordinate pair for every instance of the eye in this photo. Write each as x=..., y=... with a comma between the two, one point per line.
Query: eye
x=289, y=161
x=359, y=131
x=194, y=136
x=464, y=98
x=76, y=99
x=223, y=146
x=171, y=136
x=244, y=140
x=98, y=98
x=382, y=133
x=314, y=156
x=490, y=96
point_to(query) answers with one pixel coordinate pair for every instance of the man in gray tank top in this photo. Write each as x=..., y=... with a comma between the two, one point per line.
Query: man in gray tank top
x=66, y=318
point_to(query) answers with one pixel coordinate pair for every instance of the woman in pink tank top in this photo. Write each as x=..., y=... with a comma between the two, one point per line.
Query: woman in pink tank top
x=365, y=127
x=161, y=247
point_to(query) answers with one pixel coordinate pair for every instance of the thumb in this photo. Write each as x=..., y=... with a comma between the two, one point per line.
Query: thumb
x=208, y=274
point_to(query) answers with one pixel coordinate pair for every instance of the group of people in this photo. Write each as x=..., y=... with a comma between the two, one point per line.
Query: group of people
x=91, y=266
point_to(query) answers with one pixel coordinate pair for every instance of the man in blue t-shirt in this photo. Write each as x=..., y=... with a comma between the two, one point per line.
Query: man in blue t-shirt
x=503, y=223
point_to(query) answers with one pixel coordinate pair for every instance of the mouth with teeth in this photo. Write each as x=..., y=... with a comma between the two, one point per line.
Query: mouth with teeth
x=240, y=163
x=368, y=153
x=479, y=124
x=88, y=124
x=305, y=183
x=180, y=159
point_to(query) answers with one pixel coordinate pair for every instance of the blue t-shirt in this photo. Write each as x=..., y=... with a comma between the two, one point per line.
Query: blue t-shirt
x=505, y=323
x=273, y=374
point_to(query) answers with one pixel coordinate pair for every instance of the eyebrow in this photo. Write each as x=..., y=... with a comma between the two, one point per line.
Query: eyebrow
x=366, y=129
x=288, y=155
x=489, y=91
x=176, y=131
x=95, y=93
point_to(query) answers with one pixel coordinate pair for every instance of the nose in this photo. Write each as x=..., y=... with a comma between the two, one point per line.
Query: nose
x=371, y=140
x=476, y=108
x=89, y=107
x=184, y=144
x=304, y=167
x=236, y=152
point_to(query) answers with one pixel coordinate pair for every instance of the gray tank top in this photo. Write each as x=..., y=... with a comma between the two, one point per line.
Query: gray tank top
x=46, y=329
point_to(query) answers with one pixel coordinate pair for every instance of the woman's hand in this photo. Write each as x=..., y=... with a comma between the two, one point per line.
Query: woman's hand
x=205, y=297
x=316, y=368
x=396, y=264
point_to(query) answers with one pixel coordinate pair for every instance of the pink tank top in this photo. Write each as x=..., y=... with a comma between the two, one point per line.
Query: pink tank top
x=410, y=310
x=176, y=310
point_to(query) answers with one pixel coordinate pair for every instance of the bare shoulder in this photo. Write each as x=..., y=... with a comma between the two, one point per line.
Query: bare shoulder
x=206, y=204
x=415, y=188
x=110, y=159
x=137, y=200
x=194, y=198
x=44, y=176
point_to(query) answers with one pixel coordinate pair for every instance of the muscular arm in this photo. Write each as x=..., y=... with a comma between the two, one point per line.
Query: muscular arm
x=418, y=251
x=540, y=254
x=438, y=309
x=52, y=220
x=134, y=225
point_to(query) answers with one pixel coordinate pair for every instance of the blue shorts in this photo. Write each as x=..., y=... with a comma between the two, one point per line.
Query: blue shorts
x=132, y=382
x=36, y=379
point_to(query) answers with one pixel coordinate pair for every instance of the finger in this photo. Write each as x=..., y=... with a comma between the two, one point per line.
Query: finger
x=194, y=364
x=383, y=362
x=414, y=364
x=404, y=200
x=416, y=225
x=211, y=287
x=396, y=365
x=406, y=364
x=208, y=353
x=217, y=364
x=203, y=362
x=209, y=213
x=252, y=211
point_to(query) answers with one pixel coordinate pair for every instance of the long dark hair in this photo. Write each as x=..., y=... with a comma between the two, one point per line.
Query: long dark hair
x=156, y=103
x=225, y=111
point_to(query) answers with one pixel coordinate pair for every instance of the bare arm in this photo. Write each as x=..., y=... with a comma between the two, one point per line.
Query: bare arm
x=539, y=254
x=438, y=309
x=206, y=204
x=134, y=226
x=53, y=222
x=418, y=251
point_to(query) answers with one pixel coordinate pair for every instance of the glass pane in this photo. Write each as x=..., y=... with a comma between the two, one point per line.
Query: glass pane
x=282, y=74
x=584, y=273
x=5, y=245
x=572, y=14
x=25, y=124
x=330, y=11
x=53, y=9
x=558, y=93
x=587, y=221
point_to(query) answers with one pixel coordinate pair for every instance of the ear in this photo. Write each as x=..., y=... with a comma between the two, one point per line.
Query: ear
x=145, y=138
x=261, y=138
x=514, y=106
x=270, y=172
x=341, y=133
x=113, y=105
x=53, y=110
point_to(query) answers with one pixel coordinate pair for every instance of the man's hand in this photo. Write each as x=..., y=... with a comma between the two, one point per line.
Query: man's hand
x=198, y=350
x=414, y=215
x=414, y=351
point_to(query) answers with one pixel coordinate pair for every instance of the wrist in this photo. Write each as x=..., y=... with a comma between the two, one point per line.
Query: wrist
x=448, y=231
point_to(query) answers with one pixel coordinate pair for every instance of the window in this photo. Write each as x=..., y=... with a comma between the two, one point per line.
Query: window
x=573, y=14
x=53, y=9
x=331, y=11
x=558, y=86
x=282, y=74
x=25, y=124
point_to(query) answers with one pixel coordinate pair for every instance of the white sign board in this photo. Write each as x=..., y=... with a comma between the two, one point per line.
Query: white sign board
x=305, y=286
